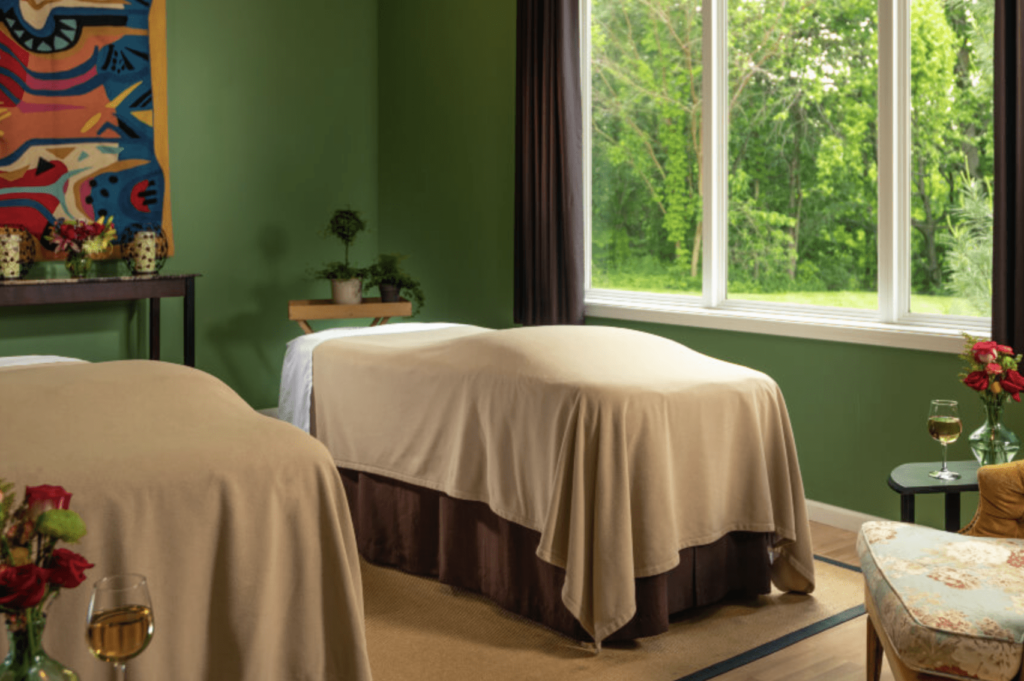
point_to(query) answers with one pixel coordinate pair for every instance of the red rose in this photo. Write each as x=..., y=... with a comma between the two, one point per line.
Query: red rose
x=1005, y=349
x=46, y=497
x=976, y=380
x=1013, y=383
x=985, y=351
x=67, y=568
x=993, y=369
x=22, y=587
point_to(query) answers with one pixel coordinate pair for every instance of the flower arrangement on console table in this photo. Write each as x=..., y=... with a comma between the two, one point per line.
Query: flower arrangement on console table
x=81, y=241
x=992, y=372
x=32, y=572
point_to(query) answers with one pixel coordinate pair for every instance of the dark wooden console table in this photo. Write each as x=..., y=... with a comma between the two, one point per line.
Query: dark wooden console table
x=20, y=292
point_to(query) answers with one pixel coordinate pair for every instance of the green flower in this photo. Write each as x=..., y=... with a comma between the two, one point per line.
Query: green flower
x=61, y=524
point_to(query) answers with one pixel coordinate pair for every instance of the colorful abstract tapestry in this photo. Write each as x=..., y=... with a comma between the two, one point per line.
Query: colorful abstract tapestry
x=83, y=117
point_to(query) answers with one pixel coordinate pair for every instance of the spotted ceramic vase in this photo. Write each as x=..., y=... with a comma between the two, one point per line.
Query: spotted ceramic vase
x=10, y=255
x=144, y=253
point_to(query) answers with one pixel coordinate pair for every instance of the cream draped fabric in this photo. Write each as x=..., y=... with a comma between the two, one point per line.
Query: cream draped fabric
x=619, y=447
x=238, y=521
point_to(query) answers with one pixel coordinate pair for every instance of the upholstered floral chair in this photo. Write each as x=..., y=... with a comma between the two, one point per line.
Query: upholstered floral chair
x=944, y=605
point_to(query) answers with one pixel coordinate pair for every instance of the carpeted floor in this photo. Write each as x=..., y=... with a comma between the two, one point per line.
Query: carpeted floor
x=419, y=630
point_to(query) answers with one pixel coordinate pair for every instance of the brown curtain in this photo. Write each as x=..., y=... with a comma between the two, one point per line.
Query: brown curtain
x=549, y=164
x=1008, y=193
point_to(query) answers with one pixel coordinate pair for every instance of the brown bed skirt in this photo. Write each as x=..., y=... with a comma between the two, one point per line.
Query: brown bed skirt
x=464, y=544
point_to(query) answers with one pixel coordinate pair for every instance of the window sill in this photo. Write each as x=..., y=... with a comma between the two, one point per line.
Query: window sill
x=918, y=332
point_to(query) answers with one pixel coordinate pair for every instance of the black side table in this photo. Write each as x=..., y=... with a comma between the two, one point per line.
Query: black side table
x=912, y=478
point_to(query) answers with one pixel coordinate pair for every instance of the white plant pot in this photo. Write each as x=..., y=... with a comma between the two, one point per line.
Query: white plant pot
x=347, y=292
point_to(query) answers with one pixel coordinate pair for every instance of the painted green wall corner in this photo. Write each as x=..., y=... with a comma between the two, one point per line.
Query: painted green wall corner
x=273, y=125
x=446, y=187
x=447, y=116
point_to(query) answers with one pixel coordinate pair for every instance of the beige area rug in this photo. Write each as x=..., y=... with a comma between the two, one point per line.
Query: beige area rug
x=418, y=629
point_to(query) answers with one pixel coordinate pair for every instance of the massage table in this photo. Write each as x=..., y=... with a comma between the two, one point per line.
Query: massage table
x=238, y=521
x=594, y=479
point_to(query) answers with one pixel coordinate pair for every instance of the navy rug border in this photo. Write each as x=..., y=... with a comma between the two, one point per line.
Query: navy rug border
x=763, y=650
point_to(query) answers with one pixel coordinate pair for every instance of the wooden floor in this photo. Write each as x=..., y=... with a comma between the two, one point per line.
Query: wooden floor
x=836, y=654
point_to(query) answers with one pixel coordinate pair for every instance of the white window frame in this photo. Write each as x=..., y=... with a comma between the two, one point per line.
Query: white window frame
x=891, y=324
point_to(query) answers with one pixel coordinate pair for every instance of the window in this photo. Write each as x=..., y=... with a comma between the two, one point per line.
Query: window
x=817, y=168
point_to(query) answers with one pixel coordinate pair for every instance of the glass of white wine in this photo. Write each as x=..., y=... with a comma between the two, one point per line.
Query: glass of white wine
x=120, y=621
x=944, y=425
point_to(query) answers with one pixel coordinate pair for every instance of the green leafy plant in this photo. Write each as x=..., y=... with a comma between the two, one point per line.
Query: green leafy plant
x=969, y=248
x=345, y=224
x=387, y=271
x=340, y=271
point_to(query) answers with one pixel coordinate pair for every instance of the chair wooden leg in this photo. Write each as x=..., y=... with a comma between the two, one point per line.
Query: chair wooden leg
x=875, y=653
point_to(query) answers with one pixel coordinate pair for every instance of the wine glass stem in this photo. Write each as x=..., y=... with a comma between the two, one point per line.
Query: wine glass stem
x=122, y=672
x=944, y=469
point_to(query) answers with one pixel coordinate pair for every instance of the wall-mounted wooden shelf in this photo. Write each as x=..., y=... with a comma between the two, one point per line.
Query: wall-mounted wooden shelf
x=302, y=311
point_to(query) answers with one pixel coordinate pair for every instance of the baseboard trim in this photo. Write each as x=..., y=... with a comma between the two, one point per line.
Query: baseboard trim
x=835, y=516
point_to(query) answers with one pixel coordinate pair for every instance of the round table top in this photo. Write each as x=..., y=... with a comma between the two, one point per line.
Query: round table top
x=913, y=478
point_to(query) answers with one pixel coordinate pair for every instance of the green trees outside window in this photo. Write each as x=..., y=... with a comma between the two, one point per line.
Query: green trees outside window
x=803, y=150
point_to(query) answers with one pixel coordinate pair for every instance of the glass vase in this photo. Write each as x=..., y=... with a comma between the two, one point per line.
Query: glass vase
x=993, y=442
x=78, y=264
x=26, y=660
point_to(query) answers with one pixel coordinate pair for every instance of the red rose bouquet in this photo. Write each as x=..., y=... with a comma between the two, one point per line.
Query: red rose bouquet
x=80, y=241
x=90, y=238
x=991, y=371
x=32, y=569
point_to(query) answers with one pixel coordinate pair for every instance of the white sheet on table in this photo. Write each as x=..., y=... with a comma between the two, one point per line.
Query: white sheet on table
x=297, y=373
x=18, y=360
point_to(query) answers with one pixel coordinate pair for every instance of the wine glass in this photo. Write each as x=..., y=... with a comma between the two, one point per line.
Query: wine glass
x=944, y=425
x=120, y=620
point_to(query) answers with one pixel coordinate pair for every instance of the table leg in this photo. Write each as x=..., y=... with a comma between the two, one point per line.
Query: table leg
x=190, y=322
x=304, y=325
x=907, y=508
x=154, y=328
x=952, y=511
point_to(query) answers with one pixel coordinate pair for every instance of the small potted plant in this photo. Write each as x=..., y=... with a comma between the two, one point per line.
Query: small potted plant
x=346, y=281
x=392, y=281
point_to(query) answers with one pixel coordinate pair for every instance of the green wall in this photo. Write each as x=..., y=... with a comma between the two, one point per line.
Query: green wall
x=447, y=91
x=273, y=125
x=405, y=111
x=447, y=139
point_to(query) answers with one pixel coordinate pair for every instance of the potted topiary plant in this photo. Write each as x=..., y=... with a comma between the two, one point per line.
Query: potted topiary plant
x=392, y=281
x=346, y=281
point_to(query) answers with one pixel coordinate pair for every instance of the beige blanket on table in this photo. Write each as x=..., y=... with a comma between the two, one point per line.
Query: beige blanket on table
x=238, y=521
x=619, y=447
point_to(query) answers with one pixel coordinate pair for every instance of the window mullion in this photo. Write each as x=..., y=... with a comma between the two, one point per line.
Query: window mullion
x=901, y=233
x=893, y=159
x=588, y=207
x=715, y=150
